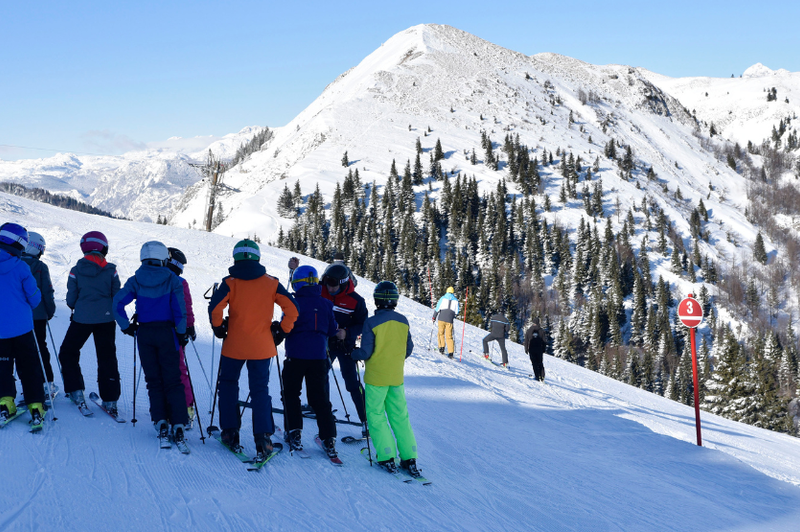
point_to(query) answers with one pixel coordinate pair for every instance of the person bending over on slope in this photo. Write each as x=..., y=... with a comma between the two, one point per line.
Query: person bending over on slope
x=91, y=287
x=160, y=330
x=248, y=336
x=20, y=296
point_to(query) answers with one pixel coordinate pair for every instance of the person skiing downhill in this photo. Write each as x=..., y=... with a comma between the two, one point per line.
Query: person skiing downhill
x=307, y=358
x=446, y=311
x=248, y=336
x=535, y=345
x=498, y=329
x=47, y=308
x=92, y=284
x=385, y=345
x=176, y=263
x=351, y=312
x=20, y=297
x=159, y=329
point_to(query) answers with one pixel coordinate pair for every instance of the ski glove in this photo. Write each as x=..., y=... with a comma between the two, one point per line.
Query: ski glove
x=131, y=330
x=221, y=331
x=183, y=339
x=191, y=333
x=294, y=262
x=277, y=333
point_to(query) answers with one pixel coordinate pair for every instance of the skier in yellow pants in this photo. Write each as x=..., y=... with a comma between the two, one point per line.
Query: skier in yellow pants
x=446, y=311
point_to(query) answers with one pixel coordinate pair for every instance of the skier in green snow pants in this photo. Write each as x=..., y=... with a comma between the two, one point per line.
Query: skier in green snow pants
x=385, y=345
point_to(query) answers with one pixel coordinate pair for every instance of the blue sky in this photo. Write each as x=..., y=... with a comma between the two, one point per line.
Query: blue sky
x=106, y=77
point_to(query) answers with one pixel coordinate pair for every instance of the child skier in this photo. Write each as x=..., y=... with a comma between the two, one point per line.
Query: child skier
x=47, y=308
x=306, y=357
x=20, y=296
x=177, y=260
x=385, y=345
x=91, y=287
x=159, y=332
x=250, y=296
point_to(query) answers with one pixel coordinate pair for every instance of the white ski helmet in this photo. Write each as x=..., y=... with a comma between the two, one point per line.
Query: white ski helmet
x=154, y=251
x=35, y=244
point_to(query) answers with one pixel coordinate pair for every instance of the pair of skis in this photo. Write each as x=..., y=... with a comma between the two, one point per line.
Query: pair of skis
x=254, y=464
x=166, y=442
x=400, y=474
x=302, y=453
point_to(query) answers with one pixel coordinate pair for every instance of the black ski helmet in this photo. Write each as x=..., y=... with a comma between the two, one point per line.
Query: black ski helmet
x=177, y=260
x=335, y=274
x=386, y=295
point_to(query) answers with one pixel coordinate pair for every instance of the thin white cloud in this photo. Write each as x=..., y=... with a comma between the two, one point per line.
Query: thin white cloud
x=107, y=141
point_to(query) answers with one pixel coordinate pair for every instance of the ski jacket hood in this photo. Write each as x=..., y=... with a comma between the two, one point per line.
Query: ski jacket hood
x=159, y=298
x=41, y=273
x=91, y=287
x=20, y=296
x=247, y=270
x=315, y=323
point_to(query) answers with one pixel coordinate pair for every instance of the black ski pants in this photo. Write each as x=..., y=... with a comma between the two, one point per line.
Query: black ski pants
x=158, y=352
x=537, y=360
x=40, y=330
x=501, y=341
x=315, y=373
x=349, y=374
x=106, y=350
x=22, y=351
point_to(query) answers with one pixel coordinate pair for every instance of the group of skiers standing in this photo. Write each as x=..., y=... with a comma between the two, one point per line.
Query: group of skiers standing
x=321, y=322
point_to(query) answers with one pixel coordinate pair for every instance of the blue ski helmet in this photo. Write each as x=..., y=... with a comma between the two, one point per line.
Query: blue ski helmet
x=13, y=238
x=304, y=276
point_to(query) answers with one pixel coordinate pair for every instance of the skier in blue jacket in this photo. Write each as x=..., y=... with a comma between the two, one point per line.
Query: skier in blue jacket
x=159, y=331
x=307, y=357
x=19, y=295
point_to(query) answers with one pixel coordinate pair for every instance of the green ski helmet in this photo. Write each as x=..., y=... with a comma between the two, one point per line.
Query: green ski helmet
x=386, y=295
x=246, y=250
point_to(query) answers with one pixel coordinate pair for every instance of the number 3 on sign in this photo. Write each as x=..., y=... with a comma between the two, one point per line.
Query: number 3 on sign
x=689, y=308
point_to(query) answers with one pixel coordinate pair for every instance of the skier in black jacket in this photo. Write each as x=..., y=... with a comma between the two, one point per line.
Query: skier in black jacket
x=498, y=329
x=535, y=344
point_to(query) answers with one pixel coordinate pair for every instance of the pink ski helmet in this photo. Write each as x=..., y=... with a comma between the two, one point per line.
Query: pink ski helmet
x=94, y=241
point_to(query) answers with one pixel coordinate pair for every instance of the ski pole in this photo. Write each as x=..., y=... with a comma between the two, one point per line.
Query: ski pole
x=194, y=402
x=55, y=352
x=366, y=424
x=214, y=396
x=205, y=375
x=211, y=427
x=340, y=391
x=241, y=412
x=134, y=420
x=49, y=391
x=430, y=336
x=464, y=328
x=283, y=402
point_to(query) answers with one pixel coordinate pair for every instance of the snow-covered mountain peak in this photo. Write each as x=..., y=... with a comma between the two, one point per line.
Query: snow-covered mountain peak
x=759, y=71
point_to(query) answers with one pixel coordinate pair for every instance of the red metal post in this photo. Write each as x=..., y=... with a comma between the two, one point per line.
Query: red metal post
x=696, y=388
x=464, y=328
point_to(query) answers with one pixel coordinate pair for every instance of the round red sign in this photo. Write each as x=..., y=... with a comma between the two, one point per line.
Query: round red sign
x=690, y=312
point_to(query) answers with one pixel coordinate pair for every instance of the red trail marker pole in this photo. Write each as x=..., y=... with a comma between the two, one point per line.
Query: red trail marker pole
x=691, y=315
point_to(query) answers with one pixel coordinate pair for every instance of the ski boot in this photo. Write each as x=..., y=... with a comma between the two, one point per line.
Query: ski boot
x=410, y=465
x=295, y=440
x=441, y=350
x=162, y=428
x=450, y=356
x=50, y=389
x=486, y=356
x=329, y=446
x=37, y=413
x=263, y=446
x=7, y=408
x=77, y=398
x=190, y=411
x=178, y=434
x=111, y=408
x=505, y=365
x=230, y=437
x=389, y=465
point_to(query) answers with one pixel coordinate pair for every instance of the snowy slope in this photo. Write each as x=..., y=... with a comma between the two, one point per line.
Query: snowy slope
x=139, y=185
x=378, y=109
x=737, y=106
x=582, y=452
